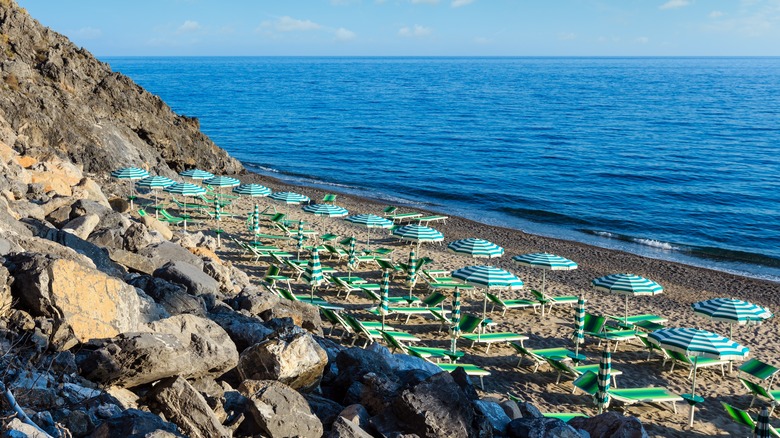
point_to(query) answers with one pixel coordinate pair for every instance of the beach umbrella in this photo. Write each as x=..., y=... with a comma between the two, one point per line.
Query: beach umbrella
x=289, y=198
x=455, y=329
x=476, y=248
x=221, y=181
x=411, y=272
x=352, y=256
x=254, y=225
x=605, y=369
x=130, y=173
x=579, y=324
x=384, y=292
x=546, y=262
x=488, y=277
x=732, y=311
x=370, y=221
x=196, y=174
x=313, y=273
x=697, y=343
x=185, y=189
x=155, y=183
x=218, y=217
x=418, y=233
x=300, y=238
x=763, y=429
x=252, y=190
x=328, y=210
x=628, y=285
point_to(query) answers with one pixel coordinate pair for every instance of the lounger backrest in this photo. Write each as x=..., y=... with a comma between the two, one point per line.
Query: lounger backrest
x=755, y=388
x=286, y=294
x=758, y=369
x=539, y=296
x=356, y=325
x=329, y=315
x=587, y=382
x=525, y=352
x=495, y=300
x=389, y=209
x=434, y=299
x=438, y=315
x=676, y=355
x=278, y=217
x=560, y=366
x=272, y=271
x=593, y=323
x=392, y=342
x=738, y=415
x=469, y=323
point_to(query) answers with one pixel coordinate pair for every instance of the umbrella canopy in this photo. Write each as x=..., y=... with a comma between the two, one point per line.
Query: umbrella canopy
x=289, y=197
x=605, y=369
x=253, y=190
x=328, y=210
x=370, y=221
x=185, y=189
x=579, y=324
x=221, y=181
x=477, y=248
x=546, y=262
x=731, y=310
x=130, y=173
x=455, y=330
x=197, y=174
x=488, y=277
x=384, y=292
x=418, y=233
x=155, y=182
x=313, y=274
x=697, y=343
x=628, y=285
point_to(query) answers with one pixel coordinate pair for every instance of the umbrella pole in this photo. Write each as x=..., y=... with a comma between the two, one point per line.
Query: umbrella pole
x=625, y=321
x=693, y=391
x=368, y=239
x=383, y=321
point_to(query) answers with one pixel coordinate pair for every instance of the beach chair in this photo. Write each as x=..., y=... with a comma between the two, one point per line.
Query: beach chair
x=296, y=269
x=757, y=390
x=303, y=298
x=564, y=367
x=539, y=356
x=470, y=369
x=564, y=416
x=329, y=198
x=595, y=326
x=336, y=321
x=588, y=382
x=702, y=362
x=742, y=417
x=493, y=338
x=401, y=217
x=760, y=370
x=425, y=220
x=343, y=286
x=421, y=352
x=169, y=218
x=652, y=348
x=389, y=210
x=550, y=301
x=372, y=334
x=272, y=275
x=505, y=305
x=372, y=294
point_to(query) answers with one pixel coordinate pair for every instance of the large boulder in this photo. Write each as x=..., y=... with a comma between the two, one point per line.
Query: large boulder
x=181, y=404
x=82, y=226
x=87, y=188
x=190, y=276
x=98, y=255
x=132, y=261
x=136, y=237
x=153, y=224
x=244, y=330
x=173, y=297
x=132, y=423
x=541, y=428
x=279, y=410
x=611, y=424
x=343, y=428
x=494, y=414
x=92, y=303
x=297, y=361
x=165, y=252
x=185, y=345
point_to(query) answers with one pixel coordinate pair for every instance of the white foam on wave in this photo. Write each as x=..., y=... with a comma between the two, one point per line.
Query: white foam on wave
x=656, y=244
x=606, y=234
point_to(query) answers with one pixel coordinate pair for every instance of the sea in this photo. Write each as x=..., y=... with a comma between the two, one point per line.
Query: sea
x=670, y=158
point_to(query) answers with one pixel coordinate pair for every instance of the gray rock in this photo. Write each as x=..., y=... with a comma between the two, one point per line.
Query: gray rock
x=356, y=414
x=183, y=345
x=255, y=300
x=280, y=410
x=61, y=215
x=540, y=428
x=110, y=238
x=133, y=423
x=302, y=314
x=181, y=404
x=99, y=256
x=27, y=209
x=5, y=290
x=17, y=429
x=610, y=424
x=190, y=276
x=297, y=361
x=89, y=189
x=9, y=222
x=343, y=428
x=244, y=330
x=149, y=309
x=136, y=237
x=221, y=274
x=82, y=226
x=173, y=297
x=132, y=261
x=324, y=408
x=83, y=207
x=166, y=252
x=511, y=409
x=495, y=415
x=529, y=410
x=153, y=224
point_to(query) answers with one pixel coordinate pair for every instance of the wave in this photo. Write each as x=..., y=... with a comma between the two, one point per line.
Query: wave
x=543, y=216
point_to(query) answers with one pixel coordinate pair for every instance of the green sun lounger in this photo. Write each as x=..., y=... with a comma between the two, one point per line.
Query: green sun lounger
x=470, y=369
x=317, y=301
x=588, y=382
x=742, y=417
x=504, y=305
x=421, y=352
x=400, y=217
x=425, y=220
x=702, y=362
x=756, y=390
x=371, y=334
x=492, y=338
x=595, y=326
x=565, y=416
x=565, y=367
x=758, y=369
x=539, y=356
x=550, y=301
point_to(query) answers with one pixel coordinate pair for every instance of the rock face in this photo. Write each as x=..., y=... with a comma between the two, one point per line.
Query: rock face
x=297, y=361
x=280, y=410
x=184, y=406
x=93, y=304
x=91, y=115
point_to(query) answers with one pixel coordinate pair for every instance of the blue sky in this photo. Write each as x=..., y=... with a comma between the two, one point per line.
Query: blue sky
x=417, y=27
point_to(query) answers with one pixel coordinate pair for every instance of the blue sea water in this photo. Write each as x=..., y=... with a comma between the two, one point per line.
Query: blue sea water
x=673, y=158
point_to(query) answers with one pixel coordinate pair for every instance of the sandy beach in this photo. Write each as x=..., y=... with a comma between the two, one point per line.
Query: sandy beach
x=682, y=284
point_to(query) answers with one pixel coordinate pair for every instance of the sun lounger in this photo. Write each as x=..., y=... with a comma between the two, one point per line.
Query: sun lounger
x=633, y=319
x=652, y=348
x=167, y=217
x=400, y=217
x=421, y=352
x=389, y=210
x=588, y=382
x=373, y=294
x=758, y=369
x=371, y=334
x=564, y=367
x=492, y=338
x=757, y=390
x=408, y=311
x=539, y=356
x=272, y=276
x=470, y=369
x=550, y=301
x=425, y=220
x=595, y=326
x=564, y=416
x=742, y=417
x=317, y=301
x=504, y=305
x=329, y=198
x=702, y=362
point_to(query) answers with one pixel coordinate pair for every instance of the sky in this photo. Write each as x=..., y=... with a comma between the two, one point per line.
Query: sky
x=416, y=27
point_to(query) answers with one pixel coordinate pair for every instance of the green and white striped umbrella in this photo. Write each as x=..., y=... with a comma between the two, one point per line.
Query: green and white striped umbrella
x=352, y=260
x=289, y=197
x=328, y=210
x=221, y=181
x=732, y=311
x=488, y=277
x=628, y=285
x=411, y=272
x=252, y=190
x=605, y=369
x=197, y=174
x=476, y=248
x=313, y=274
x=579, y=324
x=763, y=429
x=369, y=221
x=697, y=343
x=185, y=189
x=255, y=223
x=455, y=328
x=418, y=233
x=546, y=262
x=155, y=183
x=130, y=173
x=300, y=238
x=384, y=292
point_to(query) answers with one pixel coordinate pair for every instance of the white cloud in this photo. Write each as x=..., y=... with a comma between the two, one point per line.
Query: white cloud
x=289, y=24
x=189, y=26
x=716, y=14
x=642, y=40
x=416, y=31
x=567, y=36
x=343, y=34
x=429, y=2
x=675, y=4
x=459, y=3
x=88, y=33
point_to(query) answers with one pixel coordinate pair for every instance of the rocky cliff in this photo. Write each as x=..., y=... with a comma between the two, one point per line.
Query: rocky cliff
x=57, y=99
